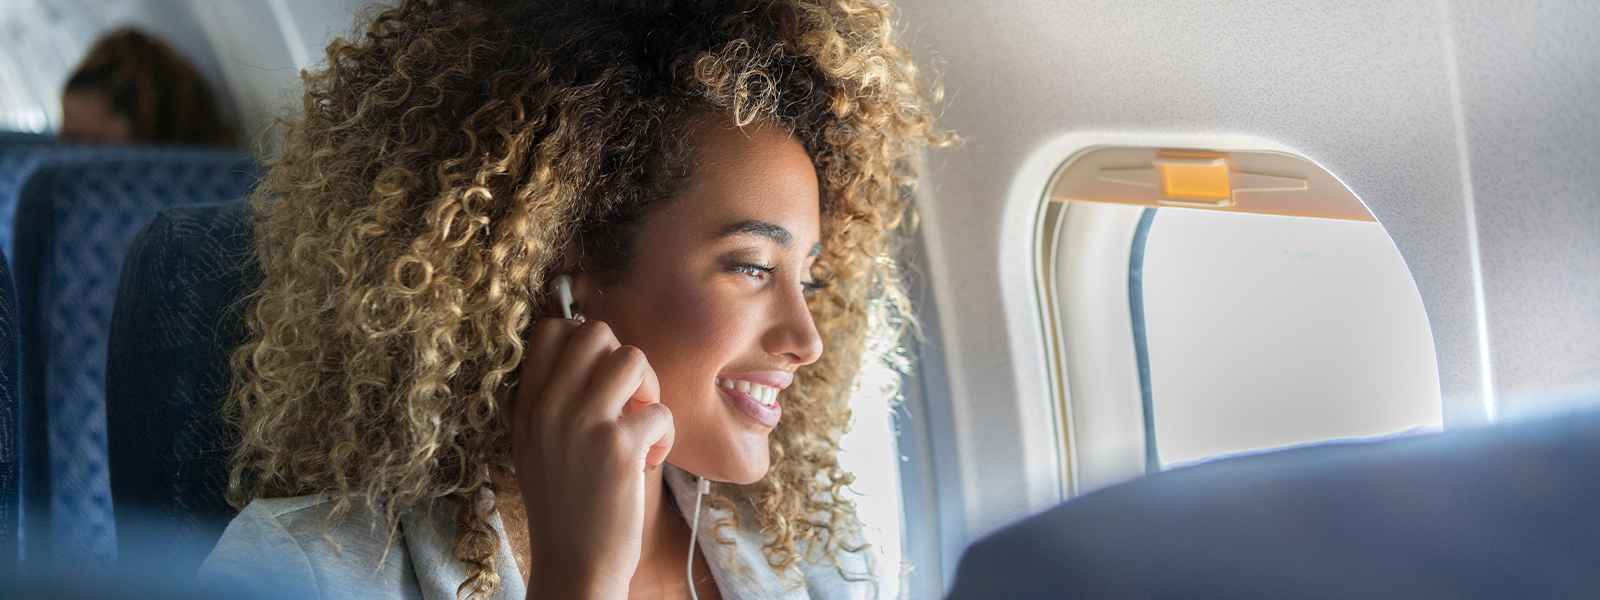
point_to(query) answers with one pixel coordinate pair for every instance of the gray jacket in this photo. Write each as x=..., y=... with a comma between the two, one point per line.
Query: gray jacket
x=282, y=546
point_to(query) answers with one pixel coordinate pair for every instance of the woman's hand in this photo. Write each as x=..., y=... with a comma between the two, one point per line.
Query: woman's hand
x=586, y=426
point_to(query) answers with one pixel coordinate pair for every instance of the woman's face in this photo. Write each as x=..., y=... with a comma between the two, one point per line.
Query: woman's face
x=715, y=296
x=87, y=118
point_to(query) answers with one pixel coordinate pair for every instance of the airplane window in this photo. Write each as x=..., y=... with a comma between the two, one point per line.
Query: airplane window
x=1265, y=331
x=1203, y=303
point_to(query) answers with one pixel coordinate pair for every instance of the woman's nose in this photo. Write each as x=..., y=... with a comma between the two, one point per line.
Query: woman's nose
x=793, y=334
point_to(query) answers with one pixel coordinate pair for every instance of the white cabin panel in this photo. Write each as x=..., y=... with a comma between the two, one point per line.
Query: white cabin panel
x=1406, y=103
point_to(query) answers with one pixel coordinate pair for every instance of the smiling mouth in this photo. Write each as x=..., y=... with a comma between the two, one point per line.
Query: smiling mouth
x=759, y=402
x=766, y=395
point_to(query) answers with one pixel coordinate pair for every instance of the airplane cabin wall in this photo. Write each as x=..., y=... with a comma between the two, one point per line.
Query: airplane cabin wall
x=1530, y=74
x=251, y=51
x=45, y=39
x=1469, y=128
x=263, y=44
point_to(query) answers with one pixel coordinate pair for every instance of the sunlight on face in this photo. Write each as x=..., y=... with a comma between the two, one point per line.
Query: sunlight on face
x=715, y=296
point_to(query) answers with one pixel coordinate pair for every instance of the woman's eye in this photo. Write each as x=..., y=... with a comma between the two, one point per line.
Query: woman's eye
x=810, y=288
x=753, y=270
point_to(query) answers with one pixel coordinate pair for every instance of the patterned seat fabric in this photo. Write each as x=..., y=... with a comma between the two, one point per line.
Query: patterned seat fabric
x=10, y=466
x=19, y=154
x=22, y=154
x=175, y=325
x=75, y=220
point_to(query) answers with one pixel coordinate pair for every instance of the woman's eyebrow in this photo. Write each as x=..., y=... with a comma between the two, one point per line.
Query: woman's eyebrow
x=759, y=228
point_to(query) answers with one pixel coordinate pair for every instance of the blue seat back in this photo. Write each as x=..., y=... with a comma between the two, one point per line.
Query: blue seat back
x=23, y=138
x=75, y=220
x=177, y=320
x=1506, y=511
x=10, y=465
x=22, y=154
x=19, y=154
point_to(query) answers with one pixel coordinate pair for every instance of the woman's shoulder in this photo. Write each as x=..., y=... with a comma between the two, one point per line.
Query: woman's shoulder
x=278, y=508
x=847, y=574
x=289, y=547
x=304, y=521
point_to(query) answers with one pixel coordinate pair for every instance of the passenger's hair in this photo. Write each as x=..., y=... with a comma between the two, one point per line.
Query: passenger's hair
x=443, y=162
x=161, y=95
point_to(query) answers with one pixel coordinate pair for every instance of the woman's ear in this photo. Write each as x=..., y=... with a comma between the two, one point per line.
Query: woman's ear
x=582, y=285
x=584, y=295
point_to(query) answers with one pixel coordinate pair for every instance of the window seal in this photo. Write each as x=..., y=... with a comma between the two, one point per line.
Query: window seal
x=1141, y=344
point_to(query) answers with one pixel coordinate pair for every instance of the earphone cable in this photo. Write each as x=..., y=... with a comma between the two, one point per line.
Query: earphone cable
x=701, y=487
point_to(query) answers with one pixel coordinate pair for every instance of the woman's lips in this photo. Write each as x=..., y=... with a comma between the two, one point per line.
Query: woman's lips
x=752, y=407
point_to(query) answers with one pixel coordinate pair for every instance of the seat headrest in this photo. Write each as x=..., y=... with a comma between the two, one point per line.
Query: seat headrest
x=176, y=322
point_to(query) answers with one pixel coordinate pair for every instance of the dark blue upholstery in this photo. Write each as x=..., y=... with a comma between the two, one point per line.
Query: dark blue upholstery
x=176, y=323
x=75, y=219
x=10, y=465
x=25, y=153
x=1511, y=511
x=20, y=153
x=24, y=138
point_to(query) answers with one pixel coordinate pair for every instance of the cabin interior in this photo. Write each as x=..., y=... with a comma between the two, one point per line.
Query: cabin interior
x=1174, y=232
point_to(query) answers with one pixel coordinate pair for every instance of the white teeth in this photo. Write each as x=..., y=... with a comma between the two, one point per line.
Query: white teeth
x=767, y=396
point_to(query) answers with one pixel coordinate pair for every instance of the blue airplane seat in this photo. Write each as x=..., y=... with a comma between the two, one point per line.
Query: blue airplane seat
x=19, y=154
x=10, y=139
x=23, y=153
x=75, y=218
x=10, y=465
x=1508, y=511
x=177, y=321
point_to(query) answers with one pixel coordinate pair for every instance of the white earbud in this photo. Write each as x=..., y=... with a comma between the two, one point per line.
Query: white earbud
x=563, y=288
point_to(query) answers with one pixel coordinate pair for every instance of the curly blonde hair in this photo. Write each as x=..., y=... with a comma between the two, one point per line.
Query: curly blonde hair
x=442, y=163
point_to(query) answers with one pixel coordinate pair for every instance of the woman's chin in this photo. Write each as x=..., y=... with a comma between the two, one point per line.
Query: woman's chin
x=739, y=467
x=739, y=472
x=748, y=476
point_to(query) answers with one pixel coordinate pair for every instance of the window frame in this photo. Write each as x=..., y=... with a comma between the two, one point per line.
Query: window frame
x=1085, y=248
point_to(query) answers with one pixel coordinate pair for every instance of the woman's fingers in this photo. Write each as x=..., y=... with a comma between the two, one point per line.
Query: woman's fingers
x=623, y=384
x=588, y=345
x=581, y=370
x=545, y=341
x=650, y=428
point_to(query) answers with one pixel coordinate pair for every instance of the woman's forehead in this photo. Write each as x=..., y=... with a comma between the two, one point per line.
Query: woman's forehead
x=749, y=180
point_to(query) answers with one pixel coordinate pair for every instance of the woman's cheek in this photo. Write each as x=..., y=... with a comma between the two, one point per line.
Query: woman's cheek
x=682, y=336
x=690, y=320
x=707, y=318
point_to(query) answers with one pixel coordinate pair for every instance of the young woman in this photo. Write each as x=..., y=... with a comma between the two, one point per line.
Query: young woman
x=721, y=180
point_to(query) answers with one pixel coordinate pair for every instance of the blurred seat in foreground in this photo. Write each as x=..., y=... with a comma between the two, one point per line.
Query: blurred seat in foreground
x=10, y=463
x=1499, y=512
x=75, y=219
x=175, y=325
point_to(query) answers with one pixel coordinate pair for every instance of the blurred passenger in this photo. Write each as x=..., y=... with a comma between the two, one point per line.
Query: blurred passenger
x=133, y=88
